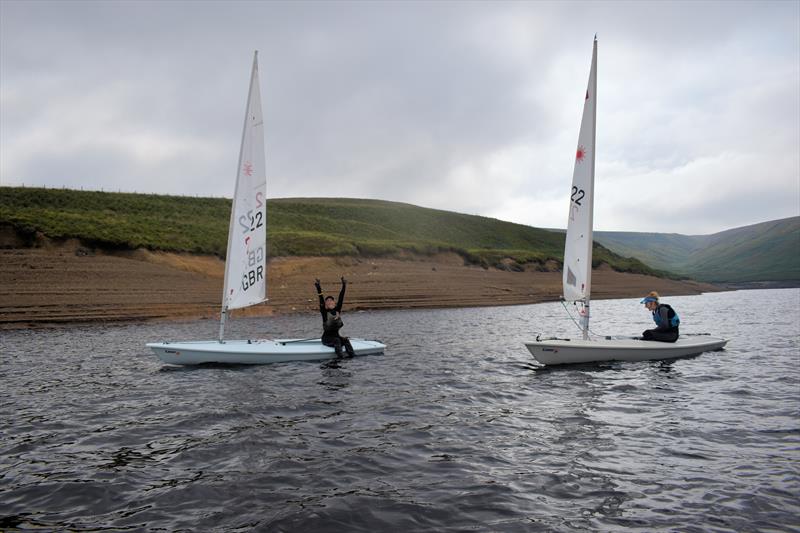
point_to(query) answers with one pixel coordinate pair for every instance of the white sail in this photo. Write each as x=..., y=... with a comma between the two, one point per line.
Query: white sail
x=577, y=276
x=246, y=260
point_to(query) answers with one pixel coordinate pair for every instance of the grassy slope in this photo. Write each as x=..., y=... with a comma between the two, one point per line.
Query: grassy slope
x=769, y=251
x=302, y=226
x=119, y=220
x=668, y=249
x=761, y=252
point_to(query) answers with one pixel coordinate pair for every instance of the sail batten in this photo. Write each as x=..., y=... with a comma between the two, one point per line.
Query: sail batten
x=246, y=259
x=577, y=272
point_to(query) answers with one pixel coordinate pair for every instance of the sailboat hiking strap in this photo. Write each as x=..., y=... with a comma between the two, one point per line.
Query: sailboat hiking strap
x=284, y=343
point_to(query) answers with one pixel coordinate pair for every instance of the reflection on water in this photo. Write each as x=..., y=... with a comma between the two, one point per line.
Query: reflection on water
x=455, y=427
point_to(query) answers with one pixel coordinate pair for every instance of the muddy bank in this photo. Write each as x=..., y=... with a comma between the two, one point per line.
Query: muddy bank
x=68, y=283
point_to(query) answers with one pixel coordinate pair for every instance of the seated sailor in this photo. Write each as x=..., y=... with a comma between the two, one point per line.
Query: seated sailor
x=665, y=317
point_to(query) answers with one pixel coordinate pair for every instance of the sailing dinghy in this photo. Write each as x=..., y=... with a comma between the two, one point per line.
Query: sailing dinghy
x=577, y=271
x=246, y=266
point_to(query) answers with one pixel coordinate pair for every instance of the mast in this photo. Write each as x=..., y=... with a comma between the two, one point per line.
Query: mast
x=229, y=259
x=577, y=271
x=590, y=206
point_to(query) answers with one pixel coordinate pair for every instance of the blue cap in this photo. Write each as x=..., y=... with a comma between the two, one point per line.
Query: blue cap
x=648, y=299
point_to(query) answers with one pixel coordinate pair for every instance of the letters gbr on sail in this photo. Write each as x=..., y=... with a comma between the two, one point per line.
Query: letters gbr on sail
x=246, y=260
x=577, y=277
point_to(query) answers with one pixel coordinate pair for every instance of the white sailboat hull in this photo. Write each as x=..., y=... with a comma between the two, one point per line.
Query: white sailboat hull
x=566, y=352
x=254, y=352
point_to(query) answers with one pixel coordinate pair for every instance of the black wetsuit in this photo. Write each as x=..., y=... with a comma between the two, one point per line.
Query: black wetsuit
x=664, y=331
x=332, y=323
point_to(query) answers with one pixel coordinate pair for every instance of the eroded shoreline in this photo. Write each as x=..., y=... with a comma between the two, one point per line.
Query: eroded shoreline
x=70, y=285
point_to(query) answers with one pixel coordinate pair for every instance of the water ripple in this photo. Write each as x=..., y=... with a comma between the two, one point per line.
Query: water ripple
x=455, y=428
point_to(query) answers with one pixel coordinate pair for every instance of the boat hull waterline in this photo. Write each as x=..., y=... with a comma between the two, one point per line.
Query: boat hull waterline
x=572, y=351
x=255, y=352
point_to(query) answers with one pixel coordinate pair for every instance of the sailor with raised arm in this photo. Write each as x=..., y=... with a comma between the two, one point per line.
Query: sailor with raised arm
x=332, y=320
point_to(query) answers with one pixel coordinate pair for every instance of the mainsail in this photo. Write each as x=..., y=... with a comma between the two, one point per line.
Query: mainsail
x=577, y=276
x=246, y=260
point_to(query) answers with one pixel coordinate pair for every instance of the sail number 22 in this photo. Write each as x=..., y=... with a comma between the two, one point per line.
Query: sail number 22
x=254, y=221
x=577, y=195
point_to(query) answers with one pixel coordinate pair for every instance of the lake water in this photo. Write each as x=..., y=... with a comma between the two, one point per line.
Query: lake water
x=454, y=428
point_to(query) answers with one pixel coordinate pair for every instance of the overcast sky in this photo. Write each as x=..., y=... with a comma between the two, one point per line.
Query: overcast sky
x=467, y=106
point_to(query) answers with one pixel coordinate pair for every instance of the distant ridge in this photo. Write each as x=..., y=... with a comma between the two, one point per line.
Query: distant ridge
x=297, y=227
x=767, y=251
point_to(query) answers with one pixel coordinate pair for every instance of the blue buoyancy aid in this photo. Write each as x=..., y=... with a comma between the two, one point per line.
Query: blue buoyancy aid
x=674, y=319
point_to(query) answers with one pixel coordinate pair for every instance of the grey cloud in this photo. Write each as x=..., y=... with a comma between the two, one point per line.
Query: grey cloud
x=392, y=99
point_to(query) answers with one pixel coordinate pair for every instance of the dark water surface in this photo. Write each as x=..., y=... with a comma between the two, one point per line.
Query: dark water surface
x=454, y=428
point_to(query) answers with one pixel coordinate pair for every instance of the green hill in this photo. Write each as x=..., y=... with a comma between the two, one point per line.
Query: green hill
x=296, y=226
x=769, y=251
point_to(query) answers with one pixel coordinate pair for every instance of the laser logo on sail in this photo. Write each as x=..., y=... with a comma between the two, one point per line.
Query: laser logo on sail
x=580, y=154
